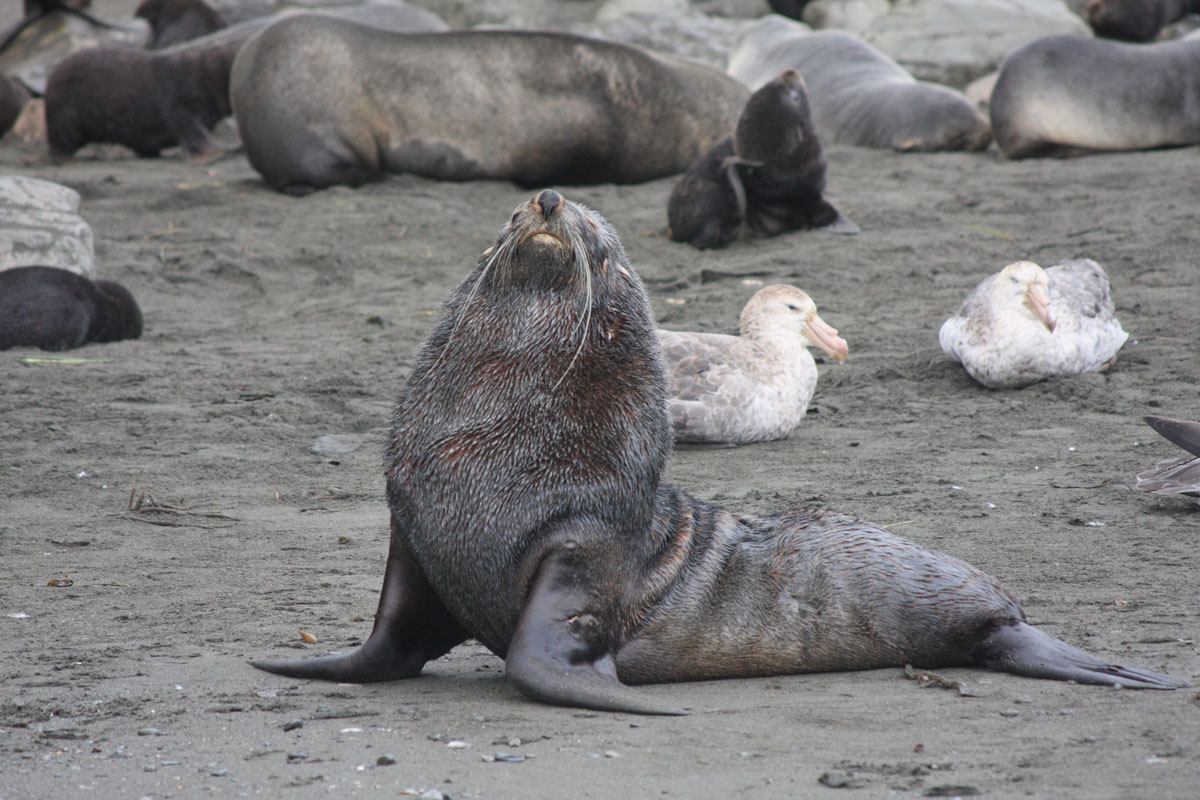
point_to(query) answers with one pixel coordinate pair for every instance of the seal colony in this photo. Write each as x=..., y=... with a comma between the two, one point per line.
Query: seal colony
x=321, y=102
x=754, y=387
x=526, y=511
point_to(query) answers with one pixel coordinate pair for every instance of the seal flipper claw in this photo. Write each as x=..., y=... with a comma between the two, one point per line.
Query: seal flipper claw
x=553, y=659
x=412, y=626
x=1025, y=650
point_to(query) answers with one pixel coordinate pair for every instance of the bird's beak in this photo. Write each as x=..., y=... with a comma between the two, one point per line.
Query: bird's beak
x=1037, y=301
x=820, y=334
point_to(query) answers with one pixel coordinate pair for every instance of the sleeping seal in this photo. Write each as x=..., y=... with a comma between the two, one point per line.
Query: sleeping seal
x=1066, y=95
x=323, y=102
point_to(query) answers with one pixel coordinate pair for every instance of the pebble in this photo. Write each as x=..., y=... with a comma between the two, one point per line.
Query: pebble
x=336, y=445
x=293, y=724
x=1010, y=712
x=385, y=761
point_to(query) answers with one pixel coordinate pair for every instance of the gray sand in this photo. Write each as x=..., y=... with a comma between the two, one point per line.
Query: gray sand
x=273, y=321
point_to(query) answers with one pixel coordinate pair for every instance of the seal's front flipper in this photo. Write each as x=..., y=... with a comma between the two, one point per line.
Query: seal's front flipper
x=411, y=627
x=559, y=654
x=1025, y=650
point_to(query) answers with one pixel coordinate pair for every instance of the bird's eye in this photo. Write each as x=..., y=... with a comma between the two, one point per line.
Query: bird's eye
x=793, y=307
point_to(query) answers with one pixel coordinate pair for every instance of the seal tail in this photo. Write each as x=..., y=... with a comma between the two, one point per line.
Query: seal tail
x=1025, y=650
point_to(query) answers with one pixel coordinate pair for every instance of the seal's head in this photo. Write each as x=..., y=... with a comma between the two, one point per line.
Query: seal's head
x=776, y=131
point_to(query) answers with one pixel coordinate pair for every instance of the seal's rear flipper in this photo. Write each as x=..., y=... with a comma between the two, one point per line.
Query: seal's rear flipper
x=1025, y=650
x=412, y=626
x=558, y=655
x=842, y=225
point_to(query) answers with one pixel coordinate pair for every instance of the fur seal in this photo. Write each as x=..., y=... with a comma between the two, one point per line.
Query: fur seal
x=324, y=102
x=152, y=100
x=1174, y=475
x=55, y=309
x=1066, y=95
x=1135, y=20
x=145, y=100
x=1024, y=324
x=765, y=179
x=858, y=95
x=175, y=21
x=526, y=511
x=754, y=387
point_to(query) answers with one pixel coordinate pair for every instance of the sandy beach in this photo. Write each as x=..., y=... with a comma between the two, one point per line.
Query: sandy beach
x=165, y=519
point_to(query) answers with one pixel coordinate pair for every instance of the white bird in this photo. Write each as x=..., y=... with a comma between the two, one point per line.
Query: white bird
x=749, y=388
x=1025, y=324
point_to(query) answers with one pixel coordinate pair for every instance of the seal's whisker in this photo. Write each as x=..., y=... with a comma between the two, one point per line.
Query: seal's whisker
x=579, y=248
x=503, y=252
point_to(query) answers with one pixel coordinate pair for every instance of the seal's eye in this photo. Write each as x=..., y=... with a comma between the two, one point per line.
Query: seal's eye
x=793, y=94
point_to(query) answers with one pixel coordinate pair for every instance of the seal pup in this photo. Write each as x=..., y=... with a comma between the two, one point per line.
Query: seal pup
x=526, y=511
x=754, y=387
x=1174, y=475
x=1135, y=20
x=322, y=102
x=1068, y=96
x=765, y=179
x=859, y=96
x=1024, y=324
x=151, y=100
x=145, y=100
x=55, y=309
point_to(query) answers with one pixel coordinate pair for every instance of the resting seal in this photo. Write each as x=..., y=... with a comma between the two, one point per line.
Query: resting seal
x=323, y=102
x=55, y=309
x=1135, y=20
x=1066, y=95
x=526, y=511
x=858, y=95
x=152, y=100
x=13, y=98
x=765, y=179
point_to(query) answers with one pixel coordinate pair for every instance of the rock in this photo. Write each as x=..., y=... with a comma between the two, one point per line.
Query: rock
x=336, y=445
x=40, y=226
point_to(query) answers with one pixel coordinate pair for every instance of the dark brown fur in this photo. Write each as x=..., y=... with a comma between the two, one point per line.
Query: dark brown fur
x=175, y=21
x=55, y=309
x=526, y=512
x=1135, y=20
x=145, y=100
x=765, y=179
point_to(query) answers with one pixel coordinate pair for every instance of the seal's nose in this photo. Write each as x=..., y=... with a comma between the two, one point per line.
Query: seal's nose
x=549, y=200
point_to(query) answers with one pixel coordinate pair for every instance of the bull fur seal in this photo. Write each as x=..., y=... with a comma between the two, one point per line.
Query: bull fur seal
x=152, y=100
x=55, y=309
x=765, y=179
x=526, y=511
x=1067, y=95
x=323, y=102
x=858, y=95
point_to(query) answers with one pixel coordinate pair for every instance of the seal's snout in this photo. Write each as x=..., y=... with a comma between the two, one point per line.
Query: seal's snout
x=549, y=201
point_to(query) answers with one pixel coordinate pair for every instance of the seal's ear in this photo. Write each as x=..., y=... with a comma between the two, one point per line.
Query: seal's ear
x=554, y=657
